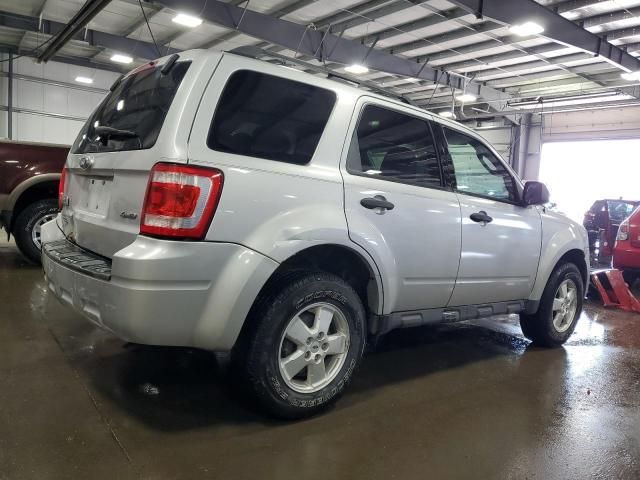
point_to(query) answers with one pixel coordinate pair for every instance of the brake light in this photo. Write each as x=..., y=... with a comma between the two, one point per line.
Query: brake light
x=623, y=231
x=62, y=186
x=180, y=201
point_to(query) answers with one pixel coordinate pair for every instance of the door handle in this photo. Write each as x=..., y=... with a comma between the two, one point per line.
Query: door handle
x=481, y=217
x=376, y=202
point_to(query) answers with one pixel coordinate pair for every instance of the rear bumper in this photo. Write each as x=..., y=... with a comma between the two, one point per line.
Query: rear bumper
x=160, y=292
x=626, y=257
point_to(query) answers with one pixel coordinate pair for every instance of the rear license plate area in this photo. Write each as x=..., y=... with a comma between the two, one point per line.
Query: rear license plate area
x=94, y=195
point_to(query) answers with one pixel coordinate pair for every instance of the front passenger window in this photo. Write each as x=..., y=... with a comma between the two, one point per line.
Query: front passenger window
x=394, y=146
x=477, y=170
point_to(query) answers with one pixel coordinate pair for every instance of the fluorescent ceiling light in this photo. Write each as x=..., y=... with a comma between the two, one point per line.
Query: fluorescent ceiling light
x=631, y=76
x=467, y=97
x=187, y=20
x=567, y=100
x=118, y=58
x=80, y=79
x=356, y=69
x=447, y=114
x=527, y=28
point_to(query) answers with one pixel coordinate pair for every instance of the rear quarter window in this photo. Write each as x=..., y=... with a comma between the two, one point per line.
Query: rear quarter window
x=270, y=117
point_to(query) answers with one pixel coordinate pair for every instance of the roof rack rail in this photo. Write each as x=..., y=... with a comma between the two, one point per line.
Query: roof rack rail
x=260, y=54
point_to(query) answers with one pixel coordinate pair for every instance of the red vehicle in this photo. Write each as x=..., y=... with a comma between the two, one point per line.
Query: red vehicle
x=29, y=178
x=626, y=253
x=602, y=221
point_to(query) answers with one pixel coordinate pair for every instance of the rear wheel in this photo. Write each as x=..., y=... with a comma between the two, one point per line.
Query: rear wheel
x=28, y=224
x=559, y=309
x=304, y=341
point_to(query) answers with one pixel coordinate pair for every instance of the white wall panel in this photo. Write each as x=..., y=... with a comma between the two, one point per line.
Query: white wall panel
x=81, y=104
x=73, y=100
x=28, y=95
x=55, y=100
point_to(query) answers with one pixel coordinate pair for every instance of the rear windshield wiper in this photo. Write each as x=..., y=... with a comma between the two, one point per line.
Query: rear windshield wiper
x=105, y=133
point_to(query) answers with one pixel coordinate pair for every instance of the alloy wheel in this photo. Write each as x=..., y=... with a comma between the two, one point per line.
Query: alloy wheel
x=313, y=347
x=565, y=305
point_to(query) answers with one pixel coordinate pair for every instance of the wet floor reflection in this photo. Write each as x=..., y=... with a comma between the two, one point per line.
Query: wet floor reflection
x=467, y=400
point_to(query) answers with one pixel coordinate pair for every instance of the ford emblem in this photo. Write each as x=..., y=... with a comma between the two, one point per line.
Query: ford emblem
x=86, y=162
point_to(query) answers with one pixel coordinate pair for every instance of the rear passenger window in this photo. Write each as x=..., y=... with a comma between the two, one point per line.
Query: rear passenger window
x=394, y=146
x=270, y=117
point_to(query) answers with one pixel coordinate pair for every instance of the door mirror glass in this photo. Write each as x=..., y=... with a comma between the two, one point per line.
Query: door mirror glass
x=535, y=193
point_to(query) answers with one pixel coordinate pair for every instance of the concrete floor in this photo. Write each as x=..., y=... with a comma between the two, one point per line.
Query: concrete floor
x=458, y=401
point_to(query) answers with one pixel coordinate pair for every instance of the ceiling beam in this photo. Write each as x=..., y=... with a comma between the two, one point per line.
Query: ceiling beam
x=80, y=20
x=280, y=12
x=323, y=46
x=94, y=38
x=150, y=11
x=557, y=28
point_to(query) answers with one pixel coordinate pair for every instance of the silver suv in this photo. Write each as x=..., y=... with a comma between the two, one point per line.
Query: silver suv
x=221, y=202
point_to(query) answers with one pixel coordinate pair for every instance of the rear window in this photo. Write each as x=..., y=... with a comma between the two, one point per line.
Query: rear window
x=131, y=116
x=619, y=209
x=270, y=117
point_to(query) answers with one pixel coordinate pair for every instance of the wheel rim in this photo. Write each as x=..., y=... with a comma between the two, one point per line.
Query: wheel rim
x=37, y=228
x=565, y=305
x=313, y=347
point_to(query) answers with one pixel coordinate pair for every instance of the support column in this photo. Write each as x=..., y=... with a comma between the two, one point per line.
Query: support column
x=523, y=144
x=10, y=99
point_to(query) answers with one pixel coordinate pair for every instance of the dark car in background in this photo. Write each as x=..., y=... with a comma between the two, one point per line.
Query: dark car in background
x=29, y=180
x=602, y=221
x=626, y=252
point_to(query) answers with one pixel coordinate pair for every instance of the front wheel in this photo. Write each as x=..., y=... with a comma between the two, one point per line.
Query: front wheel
x=559, y=310
x=305, y=338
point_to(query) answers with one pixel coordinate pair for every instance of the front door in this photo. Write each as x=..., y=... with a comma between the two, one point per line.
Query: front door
x=398, y=209
x=501, y=240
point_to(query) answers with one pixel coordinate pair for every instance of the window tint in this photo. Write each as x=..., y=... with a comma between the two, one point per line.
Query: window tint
x=477, y=170
x=270, y=117
x=133, y=112
x=394, y=146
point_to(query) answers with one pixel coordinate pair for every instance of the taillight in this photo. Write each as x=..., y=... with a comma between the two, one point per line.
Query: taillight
x=62, y=187
x=180, y=201
x=623, y=231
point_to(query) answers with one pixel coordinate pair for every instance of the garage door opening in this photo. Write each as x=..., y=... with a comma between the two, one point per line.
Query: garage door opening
x=579, y=173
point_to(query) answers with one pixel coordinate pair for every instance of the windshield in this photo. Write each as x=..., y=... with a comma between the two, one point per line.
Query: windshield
x=131, y=116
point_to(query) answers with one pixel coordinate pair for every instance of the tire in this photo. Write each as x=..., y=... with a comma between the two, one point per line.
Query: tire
x=540, y=327
x=298, y=306
x=27, y=226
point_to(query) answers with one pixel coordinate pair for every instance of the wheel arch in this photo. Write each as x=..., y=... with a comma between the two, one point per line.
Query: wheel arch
x=36, y=188
x=347, y=263
x=571, y=255
x=577, y=257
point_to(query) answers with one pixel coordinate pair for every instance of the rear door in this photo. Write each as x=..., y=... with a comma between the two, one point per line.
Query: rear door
x=145, y=119
x=501, y=240
x=398, y=208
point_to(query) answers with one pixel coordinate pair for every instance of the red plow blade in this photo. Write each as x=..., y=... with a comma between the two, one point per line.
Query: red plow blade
x=614, y=291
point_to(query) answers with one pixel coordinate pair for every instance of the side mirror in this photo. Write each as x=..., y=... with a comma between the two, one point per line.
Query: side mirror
x=535, y=193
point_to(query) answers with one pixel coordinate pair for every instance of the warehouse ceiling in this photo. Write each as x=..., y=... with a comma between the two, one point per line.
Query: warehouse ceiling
x=454, y=50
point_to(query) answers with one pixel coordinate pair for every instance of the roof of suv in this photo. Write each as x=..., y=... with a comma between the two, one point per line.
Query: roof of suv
x=338, y=85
